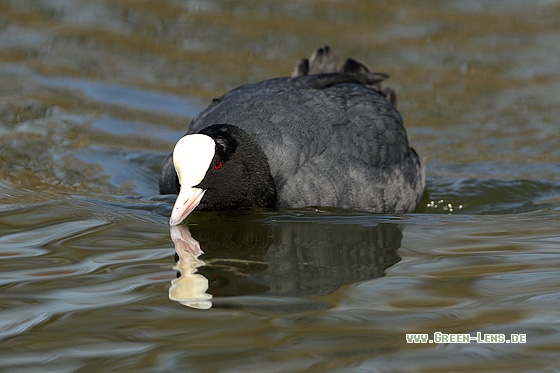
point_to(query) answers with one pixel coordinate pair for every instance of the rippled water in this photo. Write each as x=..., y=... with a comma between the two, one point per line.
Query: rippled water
x=93, y=95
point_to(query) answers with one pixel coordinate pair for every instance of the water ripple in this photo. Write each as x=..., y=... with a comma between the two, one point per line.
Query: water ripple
x=113, y=94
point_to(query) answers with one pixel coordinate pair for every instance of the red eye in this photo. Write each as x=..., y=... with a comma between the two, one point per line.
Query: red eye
x=218, y=165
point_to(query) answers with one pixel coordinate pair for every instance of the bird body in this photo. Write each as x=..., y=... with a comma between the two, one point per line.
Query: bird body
x=327, y=139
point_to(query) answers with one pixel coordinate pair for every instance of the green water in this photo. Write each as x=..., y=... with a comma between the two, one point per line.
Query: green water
x=93, y=95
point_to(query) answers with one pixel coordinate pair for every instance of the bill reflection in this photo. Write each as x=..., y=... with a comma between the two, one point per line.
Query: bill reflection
x=189, y=288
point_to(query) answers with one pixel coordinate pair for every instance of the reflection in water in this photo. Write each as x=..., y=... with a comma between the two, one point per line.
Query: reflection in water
x=288, y=258
x=189, y=288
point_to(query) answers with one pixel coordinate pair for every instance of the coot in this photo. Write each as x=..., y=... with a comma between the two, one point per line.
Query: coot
x=322, y=137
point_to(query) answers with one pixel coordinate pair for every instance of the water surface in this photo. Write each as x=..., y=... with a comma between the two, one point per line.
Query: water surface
x=93, y=95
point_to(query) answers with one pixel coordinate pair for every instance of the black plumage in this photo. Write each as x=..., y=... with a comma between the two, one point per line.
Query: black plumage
x=330, y=139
